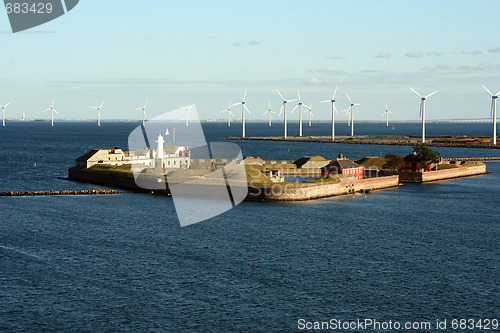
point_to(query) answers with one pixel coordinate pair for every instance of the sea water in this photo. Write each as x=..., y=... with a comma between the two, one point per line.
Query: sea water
x=419, y=252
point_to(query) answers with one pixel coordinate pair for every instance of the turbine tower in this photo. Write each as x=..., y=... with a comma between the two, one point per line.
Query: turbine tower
x=299, y=105
x=3, y=113
x=229, y=114
x=243, y=108
x=283, y=109
x=493, y=113
x=334, y=110
x=386, y=114
x=351, y=108
x=270, y=112
x=144, y=114
x=98, y=108
x=311, y=115
x=422, y=110
x=187, y=113
x=52, y=110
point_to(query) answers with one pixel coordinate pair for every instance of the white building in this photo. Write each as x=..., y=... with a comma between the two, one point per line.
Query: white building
x=178, y=157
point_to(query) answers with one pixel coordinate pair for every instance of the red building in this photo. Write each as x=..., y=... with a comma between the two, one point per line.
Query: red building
x=412, y=164
x=343, y=167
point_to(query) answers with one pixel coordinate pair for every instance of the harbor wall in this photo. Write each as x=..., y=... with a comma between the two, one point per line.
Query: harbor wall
x=430, y=176
x=297, y=192
x=103, y=179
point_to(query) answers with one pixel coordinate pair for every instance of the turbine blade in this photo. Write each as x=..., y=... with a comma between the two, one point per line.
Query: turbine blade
x=53, y=100
x=325, y=101
x=100, y=106
x=146, y=104
x=246, y=108
x=6, y=105
x=56, y=111
x=383, y=114
x=272, y=111
x=498, y=94
x=236, y=104
x=335, y=91
x=93, y=107
x=46, y=110
x=306, y=106
x=489, y=92
x=335, y=109
x=295, y=108
x=348, y=98
x=281, y=110
x=415, y=92
x=245, y=94
x=298, y=94
x=292, y=100
x=280, y=95
x=431, y=94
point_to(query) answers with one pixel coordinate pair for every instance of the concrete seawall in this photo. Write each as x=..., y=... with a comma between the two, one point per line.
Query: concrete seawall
x=294, y=192
x=430, y=176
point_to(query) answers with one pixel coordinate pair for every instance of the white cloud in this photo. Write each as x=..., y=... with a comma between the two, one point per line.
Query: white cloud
x=413, y=54
x=494, y=50
x=384, y=55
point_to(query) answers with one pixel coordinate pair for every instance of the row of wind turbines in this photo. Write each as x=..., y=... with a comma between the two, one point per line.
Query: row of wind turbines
x=98, y=108
x=349, y=112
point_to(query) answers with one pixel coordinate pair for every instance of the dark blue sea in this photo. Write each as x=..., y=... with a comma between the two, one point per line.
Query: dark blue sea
x=123, y=263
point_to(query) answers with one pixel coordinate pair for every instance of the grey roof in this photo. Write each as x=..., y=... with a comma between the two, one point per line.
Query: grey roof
x=343, y=164
x=88, y=155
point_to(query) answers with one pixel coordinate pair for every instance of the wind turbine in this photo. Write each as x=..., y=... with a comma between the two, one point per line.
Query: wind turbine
x=386, y=113
x=310, y=112
x=229, y=114
x=299, y=105
x=52, y=110
x=493, y=113
x=243, y=108
x=187, y=113
x=283, y=109
x=98, y=108
x=334, y=110
x=351, y=108
x=144, y=114
x=348, y=115
x=3, y=113
x=422, y=110
x=270, y=113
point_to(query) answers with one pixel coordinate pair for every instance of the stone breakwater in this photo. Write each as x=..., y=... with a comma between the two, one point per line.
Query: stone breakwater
x=64, y=192
x=432, y=176
x=362, y=141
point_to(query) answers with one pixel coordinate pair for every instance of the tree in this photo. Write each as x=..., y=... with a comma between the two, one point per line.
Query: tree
x=393, y=162
x=425, y=155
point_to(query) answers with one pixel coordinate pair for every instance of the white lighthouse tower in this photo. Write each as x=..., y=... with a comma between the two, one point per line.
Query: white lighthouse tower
x=159, y=146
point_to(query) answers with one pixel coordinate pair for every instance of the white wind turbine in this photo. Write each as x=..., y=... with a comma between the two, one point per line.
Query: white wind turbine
x=351, y=108
x=187, y=113
x=98, y=108
x=311, y=115
x=243, y=108
x=386, y=114
x=52, y=110
x=3, y=113
x=229, y=114
x=334, y=110
x=283, y=109
x=270, y=112
x=144, y=114
x=493, y=113
x=299, y=106
x=422, y=110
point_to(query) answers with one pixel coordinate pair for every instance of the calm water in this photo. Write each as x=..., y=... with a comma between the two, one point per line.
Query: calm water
x=122, y=263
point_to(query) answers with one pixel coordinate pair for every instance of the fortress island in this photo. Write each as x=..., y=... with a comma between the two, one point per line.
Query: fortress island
x=309, y=177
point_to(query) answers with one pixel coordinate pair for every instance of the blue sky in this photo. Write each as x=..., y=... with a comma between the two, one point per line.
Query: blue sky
x=207, y=52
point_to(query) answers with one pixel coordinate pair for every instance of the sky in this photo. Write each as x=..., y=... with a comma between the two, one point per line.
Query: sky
x=207, y=53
